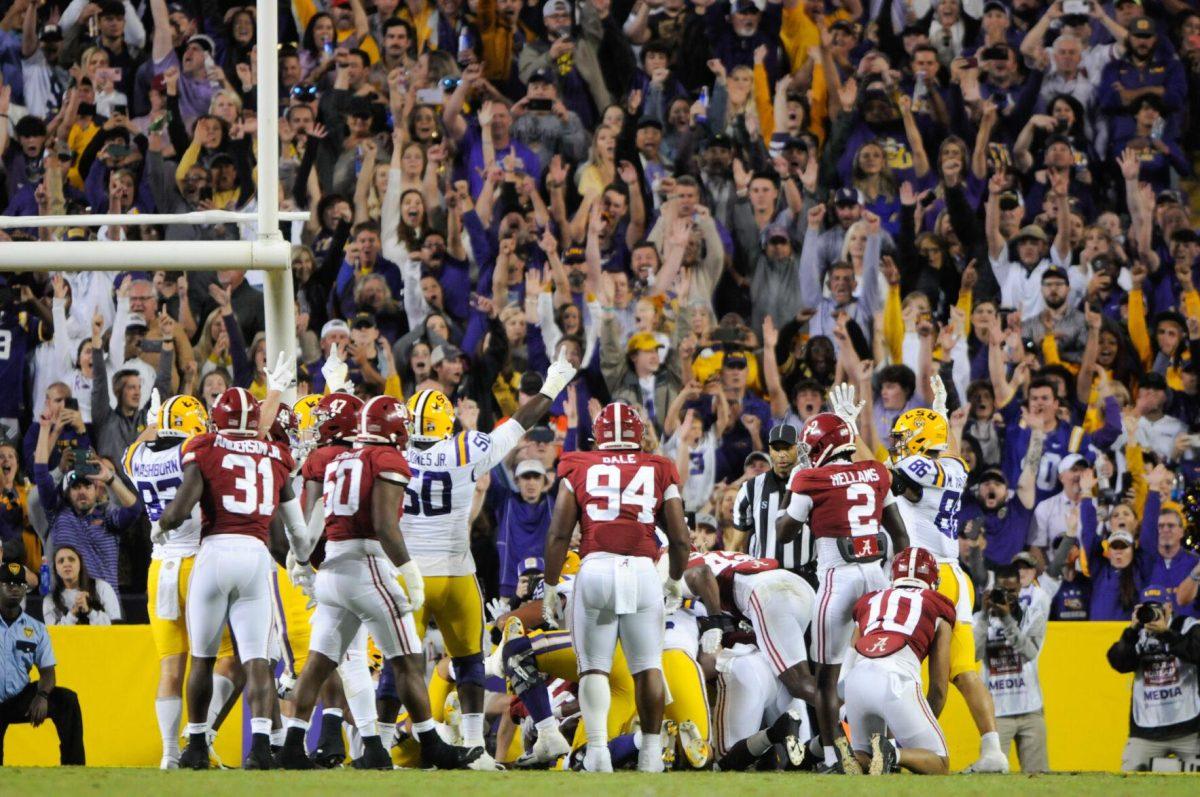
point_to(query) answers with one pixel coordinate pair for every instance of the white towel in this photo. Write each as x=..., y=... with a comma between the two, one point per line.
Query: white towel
x=625, y=586
x=166, y=604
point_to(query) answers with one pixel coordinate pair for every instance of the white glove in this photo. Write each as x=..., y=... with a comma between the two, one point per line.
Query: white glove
x=335, y=371
x=154, y=408
x=283, y=375
x=710, y=641
x=157, y=535
x=414, y=585
x=495, y=609
x=551, y=607
x=841, y=399
x=558, y=376
x=939, y=395
x=302, y=576
x=285, y=685
x=673, y=594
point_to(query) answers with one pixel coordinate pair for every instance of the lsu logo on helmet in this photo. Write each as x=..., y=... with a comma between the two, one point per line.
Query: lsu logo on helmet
x=432, y=416
x=182, y=417
x=919, y=431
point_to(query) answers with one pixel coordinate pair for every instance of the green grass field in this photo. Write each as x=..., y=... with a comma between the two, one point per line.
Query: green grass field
x=529, y=784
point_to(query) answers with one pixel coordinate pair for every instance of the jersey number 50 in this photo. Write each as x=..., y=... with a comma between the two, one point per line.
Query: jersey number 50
x=434, y=498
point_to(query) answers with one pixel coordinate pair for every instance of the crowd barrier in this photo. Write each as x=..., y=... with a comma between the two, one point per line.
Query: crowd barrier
x=114, y=670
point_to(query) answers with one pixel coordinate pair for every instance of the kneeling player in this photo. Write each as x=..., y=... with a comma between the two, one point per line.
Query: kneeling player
x=896, y=629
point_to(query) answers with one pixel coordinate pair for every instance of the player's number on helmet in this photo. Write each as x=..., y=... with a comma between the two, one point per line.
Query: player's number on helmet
x=604, y=482
x=433, y=499
x=900, y=615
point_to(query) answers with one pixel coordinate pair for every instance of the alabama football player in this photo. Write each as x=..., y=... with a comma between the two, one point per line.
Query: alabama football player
x=846, y=503
x=896, y=628
x=436, y=526
x=615, y=493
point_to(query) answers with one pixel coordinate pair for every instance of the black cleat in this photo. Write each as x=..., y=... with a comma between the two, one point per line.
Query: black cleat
x=374, y=756
x=883, y=756
x=330, y=757
x=440, y=755
x=293, y=755
x=259, y=759
x=194, y=756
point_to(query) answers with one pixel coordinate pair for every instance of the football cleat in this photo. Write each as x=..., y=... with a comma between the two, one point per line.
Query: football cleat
x=795, y=752
x=989, y=762
x=373, y=757
x=597, y=760
x=194, y=757
x=259, y=757
x=883, y=756
x=169, y=762
x=695, y=748
x=294, y=755
x=547, y=748
x=670, y=739
x=849, y=763
x=444, y=756
x=484, y=762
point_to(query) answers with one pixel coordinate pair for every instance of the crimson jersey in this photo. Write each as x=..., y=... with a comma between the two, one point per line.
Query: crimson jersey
x=619, y=495
x=243, y=478
x=894, y=618
x=349, y=479
x=847, y=501
x=314, y=465
x=727, y=564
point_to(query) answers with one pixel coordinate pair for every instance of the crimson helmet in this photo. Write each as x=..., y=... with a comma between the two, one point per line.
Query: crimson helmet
x=384, y=420
x=618, y=426
x=336, y=417
x=824, y=436
x=915, y=567
x=236, y=413
x=286, y=426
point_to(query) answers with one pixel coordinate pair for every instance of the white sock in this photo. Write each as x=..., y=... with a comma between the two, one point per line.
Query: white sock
x=354, y=737
x=170, y=713
x=831, y=756
x=990, y=743
x=197, y=727
x=758, y=743
x=277, y=736
x=548, y=725
x=594, y=700
x=650, y=755
x=335, y=712
x=222, y=690
x=472, y=730
x=296, y=722
x=260, y=725
x=421, y=727
x=899, y=756
x=387, y=733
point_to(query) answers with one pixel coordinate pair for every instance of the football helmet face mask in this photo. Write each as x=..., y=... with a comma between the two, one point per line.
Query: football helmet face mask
x=306, y=431
x=432, y=416
x=383, y=420
x=824, y=436
x=618, y=426
x=915, y=567
x=919, y=431
x=182, y=417
x=336, y=417
x=236, y=413
x=285, y=428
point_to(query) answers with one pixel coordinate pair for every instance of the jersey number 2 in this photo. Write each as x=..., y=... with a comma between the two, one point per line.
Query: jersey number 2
x=604, y=483
x=862, y=510
x=246, y=500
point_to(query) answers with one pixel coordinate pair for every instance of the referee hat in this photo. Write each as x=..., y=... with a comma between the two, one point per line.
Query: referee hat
x=783, y=433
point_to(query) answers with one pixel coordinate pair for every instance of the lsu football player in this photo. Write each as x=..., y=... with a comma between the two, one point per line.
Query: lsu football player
x=153, y=463
x=928, y=481
x=436, y=527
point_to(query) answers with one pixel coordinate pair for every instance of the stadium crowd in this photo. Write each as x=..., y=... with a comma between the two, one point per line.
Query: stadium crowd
x=716, y=212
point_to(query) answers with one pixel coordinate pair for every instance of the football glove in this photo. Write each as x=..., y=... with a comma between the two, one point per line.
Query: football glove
x=335, y=370
x=558, y=376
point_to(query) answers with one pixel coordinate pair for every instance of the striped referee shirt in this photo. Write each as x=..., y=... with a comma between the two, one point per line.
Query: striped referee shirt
x=758, y=504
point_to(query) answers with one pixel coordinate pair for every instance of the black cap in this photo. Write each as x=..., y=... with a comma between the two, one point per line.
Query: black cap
x=734, y=360
x=51, y=33
x=1142, y=27
x=542, y=76
x=12, y=573
x=996, y=5
x=1185, y=235
x=1153, y=381
x=540, y=434
x=993, y=475
x=649, y=121
x=783, y=433
x=846, y=196
x=531, y=383
x=1169, y=196
x=719, y=140
x=1055, y=272
x=221, y=159
x=360, y=107
x=746, y=7
x=111, y=8
x=363, y=320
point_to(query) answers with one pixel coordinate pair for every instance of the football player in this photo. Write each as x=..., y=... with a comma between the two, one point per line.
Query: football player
x=154, y=464
x=846, y=503
x=754, y=710
x=436, y=525
x=615, y=493
x=357, y=586
x=240, y=481
x=896, y=629
x=928, y=481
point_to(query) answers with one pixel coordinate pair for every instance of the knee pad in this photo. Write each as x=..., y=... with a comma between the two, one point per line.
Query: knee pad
x=469, y=669
x=387, y=685
x=520, y=665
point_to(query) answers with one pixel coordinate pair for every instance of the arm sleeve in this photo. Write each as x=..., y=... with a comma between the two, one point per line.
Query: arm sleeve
x=499, y=443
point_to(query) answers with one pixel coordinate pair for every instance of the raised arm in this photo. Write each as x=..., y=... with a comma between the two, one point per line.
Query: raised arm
x=161, y=46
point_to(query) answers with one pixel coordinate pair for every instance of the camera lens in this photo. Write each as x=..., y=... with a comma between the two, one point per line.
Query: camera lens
x=1146, y=614
x=998, y=595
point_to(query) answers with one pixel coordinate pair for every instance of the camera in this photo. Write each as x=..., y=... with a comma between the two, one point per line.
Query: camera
x=1148, y=613
x=998, y=597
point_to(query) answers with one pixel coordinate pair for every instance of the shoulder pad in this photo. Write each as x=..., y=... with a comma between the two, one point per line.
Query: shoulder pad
x=922, y=470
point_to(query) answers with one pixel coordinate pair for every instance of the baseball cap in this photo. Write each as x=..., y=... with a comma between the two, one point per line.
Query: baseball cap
x=705, y=519
x=1024, y=559
x=719, y=140
x=573, y=254
x=649, y=121
x=642, y=341
x=1031, y=231
x=447, y=351
x=1154, y=593
x=555, y=7
x=776, y=231
x=1168, y=196
x=756, y=456
x=993, y=475
x=204, y=41
x=541, y=76
x=1142, y=27
x=12, y=573
x=528, y=466
x=1153, y=381
x=532, y=564
x=51, y=33
x=783, y=433
x=847, y=196
x=746, y=7
x=1120, y=537
x=363, y=320
x=1054, y=272
x=1071, y=461
x=136, y=320
x=334, y=325
x=995, y=5
x=734, y=360
x=540, y=434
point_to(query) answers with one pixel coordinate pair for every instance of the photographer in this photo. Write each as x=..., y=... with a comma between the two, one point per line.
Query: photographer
x=1009, y=632
x=1162, y=650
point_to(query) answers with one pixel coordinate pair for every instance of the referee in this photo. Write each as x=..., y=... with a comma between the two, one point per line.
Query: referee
x=761, y=499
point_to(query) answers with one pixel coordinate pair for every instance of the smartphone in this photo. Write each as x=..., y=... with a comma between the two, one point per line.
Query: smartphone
x=120, y=110
x=1075, y=8
x=119, y=152
x=206, y=194
x=71, y=403
x=542, y=105
x=82, y=466
x=1156, y=132
x=450, y=83
x=431, y=96
x=328, y=48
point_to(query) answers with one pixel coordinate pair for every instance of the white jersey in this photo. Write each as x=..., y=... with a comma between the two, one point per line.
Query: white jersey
x=932, y=522
x=437, y=503
x=156, y=475
x=683, y=629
